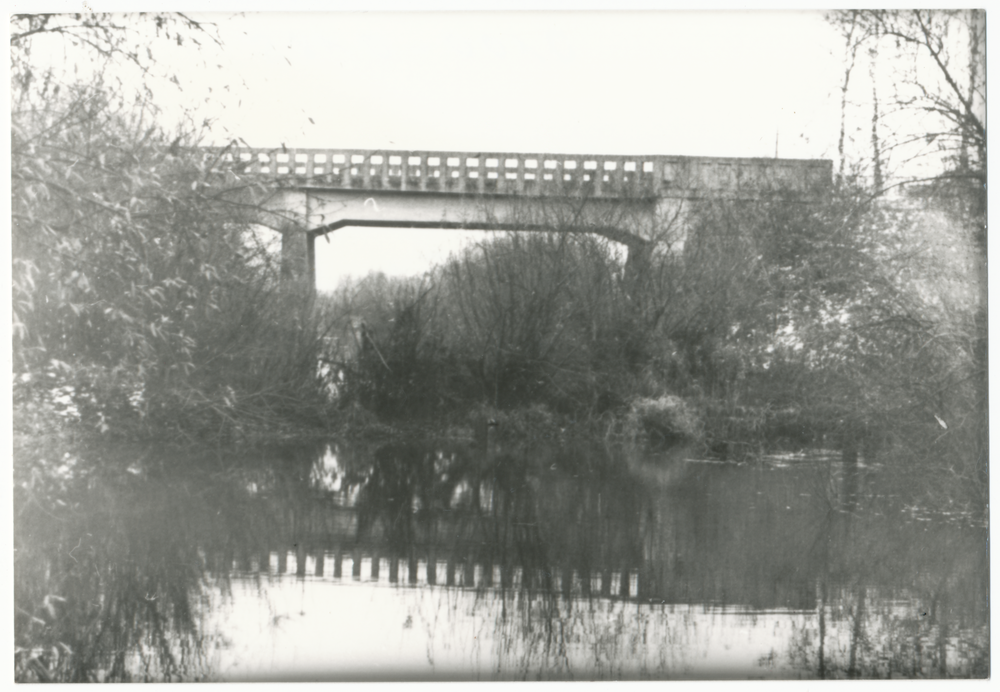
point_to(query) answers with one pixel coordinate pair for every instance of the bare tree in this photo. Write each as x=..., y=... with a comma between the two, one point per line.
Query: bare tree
x=928, y=67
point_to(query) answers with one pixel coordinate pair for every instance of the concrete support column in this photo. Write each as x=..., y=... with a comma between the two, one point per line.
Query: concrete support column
x=294, y=254
x=637, y=263
x=298, y=263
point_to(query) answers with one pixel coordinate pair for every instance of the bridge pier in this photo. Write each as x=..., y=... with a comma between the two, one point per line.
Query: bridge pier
x=637, y=263
x=298, y=259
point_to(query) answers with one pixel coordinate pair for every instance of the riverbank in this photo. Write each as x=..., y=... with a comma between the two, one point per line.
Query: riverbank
x=51, y=414
x=48, y=437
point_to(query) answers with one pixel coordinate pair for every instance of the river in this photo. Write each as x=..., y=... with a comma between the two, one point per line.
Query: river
x=412, y=560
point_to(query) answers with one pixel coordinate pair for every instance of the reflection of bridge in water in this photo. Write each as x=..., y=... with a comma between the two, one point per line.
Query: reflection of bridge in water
x=414, y=514
x=452, y=550
x=365, y=566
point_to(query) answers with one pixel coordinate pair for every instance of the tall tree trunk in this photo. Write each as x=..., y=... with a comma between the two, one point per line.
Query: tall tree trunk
x=974, y=58
x=876, y=153
x=852, y=47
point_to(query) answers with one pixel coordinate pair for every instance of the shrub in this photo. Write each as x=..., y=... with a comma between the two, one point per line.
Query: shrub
x=663, y=421
x=135, y=265
x=540, y=318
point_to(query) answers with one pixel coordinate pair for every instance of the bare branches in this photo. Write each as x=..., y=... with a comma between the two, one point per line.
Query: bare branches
x=94, y=43
x=931, y=65
x=935, y=47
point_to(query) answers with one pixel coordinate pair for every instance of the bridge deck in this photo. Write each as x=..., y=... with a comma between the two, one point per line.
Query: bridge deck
x=498, y=173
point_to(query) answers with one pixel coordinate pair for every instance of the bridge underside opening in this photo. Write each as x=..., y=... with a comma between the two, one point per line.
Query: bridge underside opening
x=303, y=214
x=351, y=251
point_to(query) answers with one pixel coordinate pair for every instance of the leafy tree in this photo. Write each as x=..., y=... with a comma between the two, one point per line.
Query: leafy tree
x=848, y=317
x=929, y=136
x=135, y=271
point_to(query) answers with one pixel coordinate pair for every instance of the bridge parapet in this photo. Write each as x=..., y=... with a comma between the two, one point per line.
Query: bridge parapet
x=498, y=173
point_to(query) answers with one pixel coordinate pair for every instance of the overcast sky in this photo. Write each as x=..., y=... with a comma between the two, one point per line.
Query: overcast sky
x=720, y=84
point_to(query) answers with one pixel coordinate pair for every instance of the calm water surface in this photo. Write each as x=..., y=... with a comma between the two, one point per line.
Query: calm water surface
x=332, y=561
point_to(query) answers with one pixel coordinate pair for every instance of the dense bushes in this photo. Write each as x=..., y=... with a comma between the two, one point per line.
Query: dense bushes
x=860, y=333
x=554, y=318
x=526, y=319
x=782, y=324
x=138, y=281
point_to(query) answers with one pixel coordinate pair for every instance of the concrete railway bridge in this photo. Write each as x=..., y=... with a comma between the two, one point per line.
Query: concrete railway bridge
x=634, y=200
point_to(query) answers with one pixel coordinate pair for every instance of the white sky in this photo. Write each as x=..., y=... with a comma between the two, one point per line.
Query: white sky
x=713, y=84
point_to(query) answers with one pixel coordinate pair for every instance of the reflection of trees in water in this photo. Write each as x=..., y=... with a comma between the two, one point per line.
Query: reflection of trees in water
x=538, y=518
x=109, y=573
x=829, y=540
x=539, y=513
x=116, y=575
x=825, y=539
x=404, y=487
x=896, y=598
